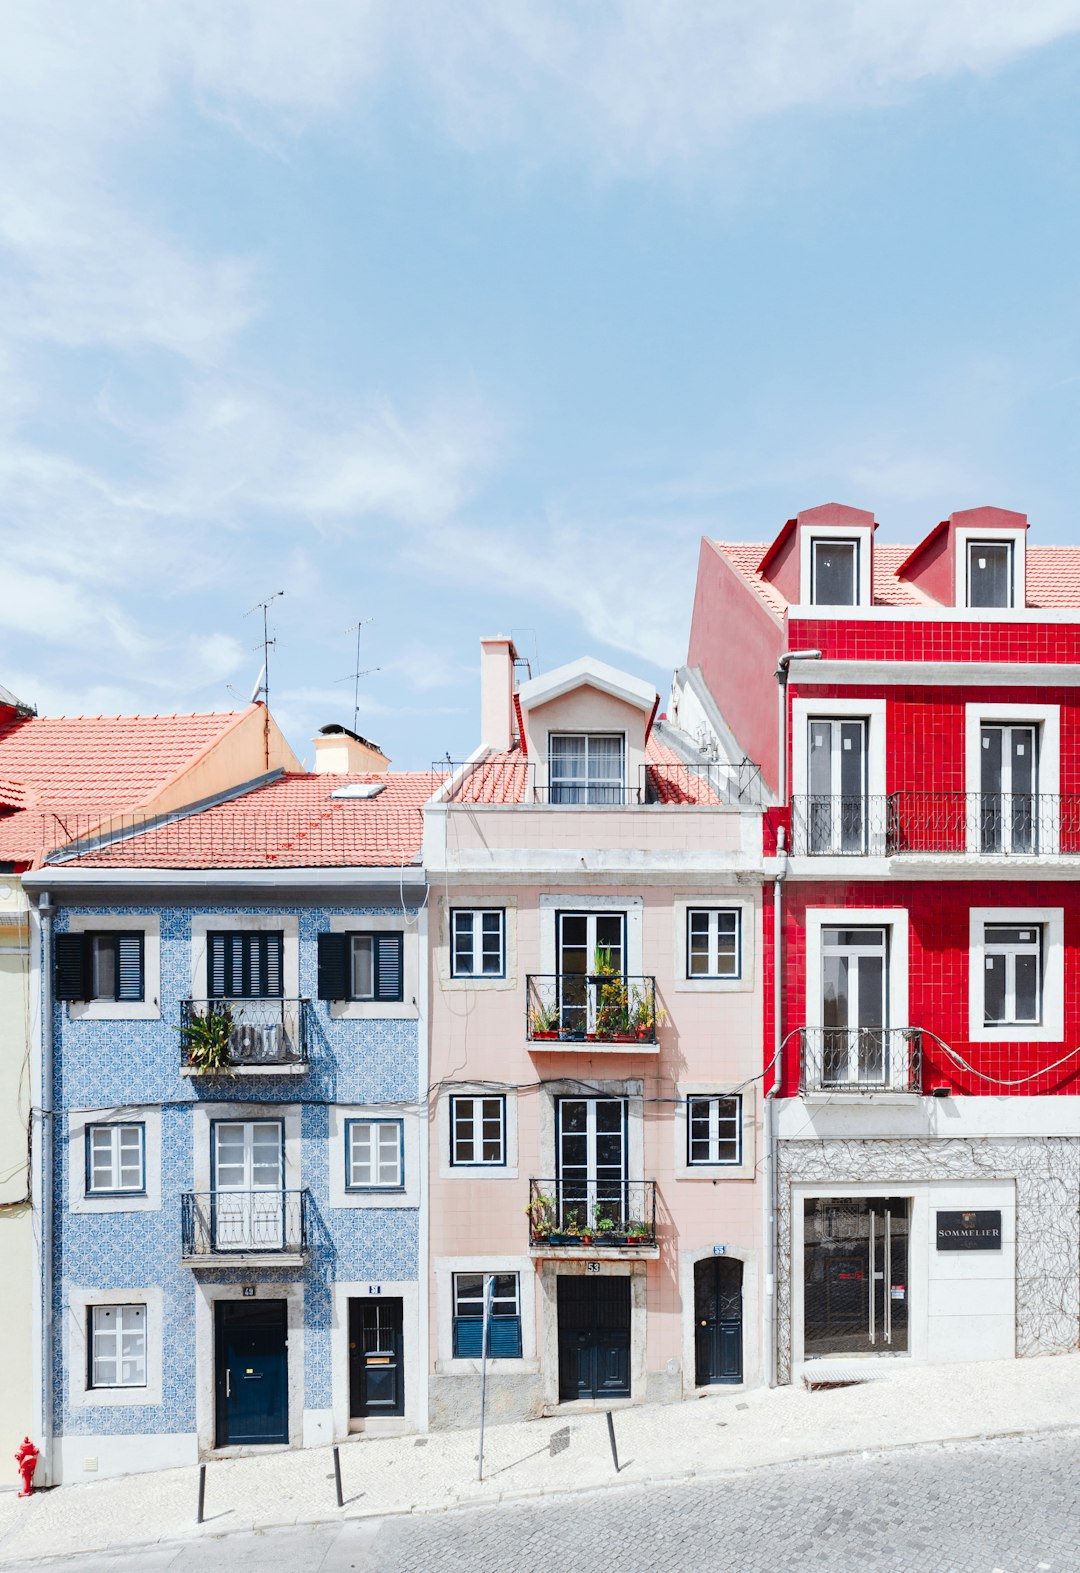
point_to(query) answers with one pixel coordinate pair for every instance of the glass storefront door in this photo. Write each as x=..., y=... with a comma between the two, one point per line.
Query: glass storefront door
x=855, y=1275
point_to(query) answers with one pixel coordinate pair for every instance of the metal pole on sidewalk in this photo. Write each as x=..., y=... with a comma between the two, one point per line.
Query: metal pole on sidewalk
x=611, y=1439
x=337, y=1478
x=489, y=1289
x=202, y=1493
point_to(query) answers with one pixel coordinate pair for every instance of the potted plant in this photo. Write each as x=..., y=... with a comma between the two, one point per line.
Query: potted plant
x=637, y=1232
x=207, y=1039
x=541, y=1213
x=544, y=1021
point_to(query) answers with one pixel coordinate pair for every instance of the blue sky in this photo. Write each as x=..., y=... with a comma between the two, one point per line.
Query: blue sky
x=471, y=316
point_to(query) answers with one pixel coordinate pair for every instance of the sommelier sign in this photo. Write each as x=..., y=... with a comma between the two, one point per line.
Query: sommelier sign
x=979, y=1231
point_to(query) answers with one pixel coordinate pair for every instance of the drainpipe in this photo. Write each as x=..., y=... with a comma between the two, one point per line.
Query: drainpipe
x=46, y=910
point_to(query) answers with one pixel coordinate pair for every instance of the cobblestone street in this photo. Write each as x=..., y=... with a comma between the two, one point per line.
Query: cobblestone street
x=1009, y=1506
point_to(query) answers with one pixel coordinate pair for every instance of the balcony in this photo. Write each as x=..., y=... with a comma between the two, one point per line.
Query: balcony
x=499, y=780
x=960, y=824
x=591, y=1012
x=260, y=1037
x=244, y=1228
x=589, y=1217
x=855, y=826
x=861, y=1060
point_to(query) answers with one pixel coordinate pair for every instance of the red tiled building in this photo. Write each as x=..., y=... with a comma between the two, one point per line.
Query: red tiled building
x=915, y=713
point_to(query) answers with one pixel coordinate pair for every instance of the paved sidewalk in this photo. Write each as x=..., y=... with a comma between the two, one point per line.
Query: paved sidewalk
x=703, y=1438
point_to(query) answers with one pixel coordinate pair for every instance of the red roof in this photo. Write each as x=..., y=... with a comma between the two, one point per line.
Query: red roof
x=1053, y=576
x=85, y=765
x=294, y=822
x=501, y=778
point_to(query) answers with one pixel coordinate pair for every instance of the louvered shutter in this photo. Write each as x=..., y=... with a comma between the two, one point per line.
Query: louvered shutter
x=504, y=1338
x=215, y=965
x=468, y=1337
x=388, y=971
x=333, y=967
x=129, y=966
x=272, y=971
x=71, y=952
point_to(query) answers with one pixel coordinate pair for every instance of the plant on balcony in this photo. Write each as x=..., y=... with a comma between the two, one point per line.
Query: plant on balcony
x=613, y=1016
x=637, y=1232
x=207, y=1039
x=603, y=965
x=544, y=1021
x=644, y=1016
x=542, y=1213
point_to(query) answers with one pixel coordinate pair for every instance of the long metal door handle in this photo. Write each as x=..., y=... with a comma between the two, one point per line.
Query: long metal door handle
x=228, y=1383
x=872, y=1330
x=888, y=1278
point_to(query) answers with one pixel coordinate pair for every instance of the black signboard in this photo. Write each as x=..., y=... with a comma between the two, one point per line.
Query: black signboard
x=969, y=1231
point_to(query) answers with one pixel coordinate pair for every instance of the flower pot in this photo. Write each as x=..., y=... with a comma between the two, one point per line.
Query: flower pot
x=545, y=1036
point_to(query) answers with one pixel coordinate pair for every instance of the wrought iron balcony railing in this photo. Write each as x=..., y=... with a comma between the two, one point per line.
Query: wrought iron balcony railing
x=991, y=824
x=578, y=1008
x=592, y=1211
x=253, y=1034
x=499, y=780
x=855, y=826
x=861, y=1059
x=217, y=1225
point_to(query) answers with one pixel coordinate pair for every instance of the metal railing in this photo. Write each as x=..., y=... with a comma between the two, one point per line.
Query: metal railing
x=592, y=1211
x=855, y=826
x=583, y=1008
x=989, y=824
x=711, y=784
x=262, y=1033
x=861, y=1059
x=242, y=1223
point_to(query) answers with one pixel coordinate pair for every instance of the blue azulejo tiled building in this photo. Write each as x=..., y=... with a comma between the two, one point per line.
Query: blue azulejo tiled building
x=239, y=1079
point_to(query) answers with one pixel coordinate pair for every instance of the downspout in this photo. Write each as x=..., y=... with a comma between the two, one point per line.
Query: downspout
x=46, y=910
x=768, y=1129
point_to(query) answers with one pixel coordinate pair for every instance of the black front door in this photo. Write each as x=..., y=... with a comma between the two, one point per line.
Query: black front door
x=252, y=1372
x=594, y=1336
x=376, y=1372
x=718, y=1319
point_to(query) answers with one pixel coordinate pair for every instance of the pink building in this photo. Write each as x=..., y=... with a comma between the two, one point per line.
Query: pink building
x=595, y=921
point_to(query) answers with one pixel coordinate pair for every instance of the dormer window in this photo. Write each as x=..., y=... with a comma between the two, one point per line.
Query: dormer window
x=586, y=768
x=990, y=573
x=834, y=573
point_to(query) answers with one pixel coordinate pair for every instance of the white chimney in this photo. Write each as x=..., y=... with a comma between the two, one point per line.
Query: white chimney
x=339, y=752
x=497, y=657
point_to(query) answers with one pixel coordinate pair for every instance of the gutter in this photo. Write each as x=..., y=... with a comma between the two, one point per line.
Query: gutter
x=768, y=1139
x=46, y=1130
x=410, y=877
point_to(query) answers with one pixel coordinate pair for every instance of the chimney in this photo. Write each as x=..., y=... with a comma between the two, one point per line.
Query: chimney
x=339, y=752
x=497, y=657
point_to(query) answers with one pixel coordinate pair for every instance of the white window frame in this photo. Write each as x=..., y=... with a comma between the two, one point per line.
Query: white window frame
x=711, y=1173
x=373, y=1124
x=510, y=1361
x=632, y=907
x=749, y=928
x=1018, y=540
x=444, y=1269
x=863, y=535
x=114, y=1128
x=404, y=1009
x=81, y=1394
x=713, y=975
x=488, y=1172
x=476, y=916
x=80, y=1200
x=714, y=1161
x=894, y=918
x=1010, y=952
x=149, y=925
x=1047, y=718
x=588, y=734
x=138, y=1319
x=826, y=542
x=477, y=1099
x=412, y=1134
x=1052, y=922
x=873, y=712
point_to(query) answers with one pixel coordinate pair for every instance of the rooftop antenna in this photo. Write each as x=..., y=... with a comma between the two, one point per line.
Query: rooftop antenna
x=357, y=674
x=262, y=682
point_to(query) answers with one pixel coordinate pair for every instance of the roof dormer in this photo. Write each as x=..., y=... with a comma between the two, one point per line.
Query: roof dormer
x=976, y=558
x=585, y=728
x=824, y=557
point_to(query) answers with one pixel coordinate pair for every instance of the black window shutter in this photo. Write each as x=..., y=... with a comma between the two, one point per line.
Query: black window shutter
x=129, y=966
x=215, y=964
x=333, y=967
x=274, y=960
x=388, y=970
x=72, y=966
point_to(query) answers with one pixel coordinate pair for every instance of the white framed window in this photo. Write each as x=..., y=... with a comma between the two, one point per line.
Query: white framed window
x=477, y=1131
x=586, y=767
x=374, y=1155
x=1017, y=974
x=714, y=1130
x=990, y=577
x=504, y=1329
x=1012, y=974
x=116, y=1343
x=108, y=966
x=478, y=942
x=838, y=777
x=834, y=572
x=1012, y=777
x=116, y=1159
x=714, y=942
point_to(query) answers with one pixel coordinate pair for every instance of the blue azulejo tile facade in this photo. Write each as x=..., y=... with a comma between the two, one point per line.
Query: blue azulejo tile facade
x=288, y=1309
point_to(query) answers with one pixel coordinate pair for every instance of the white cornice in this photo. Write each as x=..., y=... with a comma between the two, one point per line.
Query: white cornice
x=985, y=674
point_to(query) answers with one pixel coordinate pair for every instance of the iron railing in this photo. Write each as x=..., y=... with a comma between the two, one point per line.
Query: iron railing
x=220, y=1224
x=856, y=826
x=861, y=1059
x=591, y=1210
x=989, y=824
x=580, y=1008
x=264, y=1033
x=711, y=784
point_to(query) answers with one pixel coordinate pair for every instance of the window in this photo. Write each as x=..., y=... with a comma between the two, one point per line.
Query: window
x=713, y=942
x=1012, y=983
x=362, y=967
x=115, y=1159
x=834, y=573
x=504, y=1330
x=1008, y=788
x=374, y=1155
x=585, y=768
x=117, y=1346
x=100, y=966
x=477, y=943
x=714, y=1130
x=836, y=802
x=478, y=1130
x=990, y=573
x=244, y=965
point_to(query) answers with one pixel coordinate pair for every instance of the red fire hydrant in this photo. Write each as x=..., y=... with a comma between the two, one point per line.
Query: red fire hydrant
x=27, y=1458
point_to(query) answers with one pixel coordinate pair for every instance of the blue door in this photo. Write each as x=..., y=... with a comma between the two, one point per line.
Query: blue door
x=252, y=1372
x=594, y=1336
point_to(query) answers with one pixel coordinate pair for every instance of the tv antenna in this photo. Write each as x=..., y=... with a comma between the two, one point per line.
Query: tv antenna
x=356, y=675
x=262, y=682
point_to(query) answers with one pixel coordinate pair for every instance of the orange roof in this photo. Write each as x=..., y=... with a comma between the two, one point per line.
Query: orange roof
x=74, y=765
x=502, y=778
x=293, y=822
x=1053, y=575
